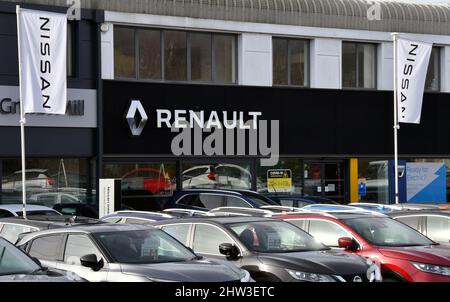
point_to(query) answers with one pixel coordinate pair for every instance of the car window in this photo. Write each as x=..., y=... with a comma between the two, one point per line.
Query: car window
x=301, y=223
x=208, y=238
x=11, y=231
x=203, y=201
x=178, y=231
x=67, y=199
x=14, y=262
x=47, y=247
x=412, y=221
x=47, y=200
x=78, y=246
x=112, y=219
x=236, y=202
x=4, y=214
x=39, y=213
x=136, y=221
x=438, y=228
x=327, y=232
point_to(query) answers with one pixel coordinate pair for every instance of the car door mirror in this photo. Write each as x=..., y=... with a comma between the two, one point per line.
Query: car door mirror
x=229, y=250
x=348, y=243
x=92, y=262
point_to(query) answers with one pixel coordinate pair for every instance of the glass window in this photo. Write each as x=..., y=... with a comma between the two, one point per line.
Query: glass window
x=178, y=231
x=149, y=54
x=46, y=248
x=11, y=232
x=112, y=219
x=358, y=65
x=327, y=232
x=137, y=221
x=438, y=228
x=4, y=214
x=301, y=223
x=14, y=262
x=374, y=173
x=225, y=58
x=432, y=82
x=70, y=44
x=201, y=65
x=290, y=62
x=175, y=55
x=208, y=238
x=296, y=167
x=412, y=221
x=124, y=52
x=78, y=246
x=210, y=201
x=236, y=202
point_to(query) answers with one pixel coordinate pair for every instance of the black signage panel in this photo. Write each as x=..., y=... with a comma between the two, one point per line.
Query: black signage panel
x=312, y=121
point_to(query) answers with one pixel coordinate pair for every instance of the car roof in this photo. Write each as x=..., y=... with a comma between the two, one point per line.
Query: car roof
x=333, y=215
x=30, y=223
x=29, y=207
x=420, y=212
x=217, y=220
x=40, y=221
x=139, y=214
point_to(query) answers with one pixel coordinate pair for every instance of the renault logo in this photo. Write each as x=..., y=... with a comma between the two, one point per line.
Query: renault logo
x=136, y=117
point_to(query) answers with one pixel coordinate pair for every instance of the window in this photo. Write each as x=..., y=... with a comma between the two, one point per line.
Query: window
x=11, y=232
x=78, y=246
x=112, y=219
x=432, y=82
x=326, y=232
x=358, y=65
x=203, y=201
x=4, y=214
x=137, y=221
x=301, y=223
x=236, y=202
x=178, y=231
x=290, y=62
x=208, y=238
x=438, y=228
x=46, y=248
x=412, y=221
x=153, y=54
x=374, y=173
x=70, y=50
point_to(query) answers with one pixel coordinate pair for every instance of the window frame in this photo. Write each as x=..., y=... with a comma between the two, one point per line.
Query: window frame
x=375, y=75
x=307, y=43
x=439, y=71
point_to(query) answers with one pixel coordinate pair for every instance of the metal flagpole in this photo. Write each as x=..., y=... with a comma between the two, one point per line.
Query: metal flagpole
x=396, y=124
x=22, y=121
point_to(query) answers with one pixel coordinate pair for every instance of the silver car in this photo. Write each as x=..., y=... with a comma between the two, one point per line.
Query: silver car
x=125, y=253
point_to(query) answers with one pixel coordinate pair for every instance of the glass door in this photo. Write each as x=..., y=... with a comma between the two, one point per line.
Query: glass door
x=325, y=179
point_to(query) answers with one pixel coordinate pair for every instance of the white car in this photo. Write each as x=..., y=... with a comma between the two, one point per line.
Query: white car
x=50, y=199
x=35, y=178
x=14, y=210
x=217, y=176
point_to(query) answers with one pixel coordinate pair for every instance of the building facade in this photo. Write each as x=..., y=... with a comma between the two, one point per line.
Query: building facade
x=319, y=73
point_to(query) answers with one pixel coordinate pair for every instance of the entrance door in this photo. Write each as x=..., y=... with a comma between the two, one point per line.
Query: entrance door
x=325, y=179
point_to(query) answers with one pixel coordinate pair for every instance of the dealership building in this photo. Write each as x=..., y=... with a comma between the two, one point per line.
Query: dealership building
x=312, y=79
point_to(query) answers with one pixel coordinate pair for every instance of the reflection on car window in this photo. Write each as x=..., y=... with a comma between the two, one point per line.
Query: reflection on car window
x=438, y=228
x=11, y=232
x=208, y=238
x=178, y=231
x=46, y=248
x=78, y=246
x=14, y=262
x=327, y=232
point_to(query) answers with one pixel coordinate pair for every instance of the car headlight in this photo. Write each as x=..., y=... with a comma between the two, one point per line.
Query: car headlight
x=431, y=268
x=245, y=277
x=311, y=277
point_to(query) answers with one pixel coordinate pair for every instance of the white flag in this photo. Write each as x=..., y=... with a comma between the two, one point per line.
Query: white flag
x=412, y=66
x=42, y=54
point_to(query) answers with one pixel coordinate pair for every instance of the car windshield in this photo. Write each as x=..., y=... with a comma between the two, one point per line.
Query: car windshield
x=143, y=247
x=14, y=262
x=39, y=213
x=384, y=231
x=274, y=237
x=261, y=200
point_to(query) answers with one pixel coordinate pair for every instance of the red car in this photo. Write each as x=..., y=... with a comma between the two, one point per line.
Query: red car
x=402, y=253
x=152, y=180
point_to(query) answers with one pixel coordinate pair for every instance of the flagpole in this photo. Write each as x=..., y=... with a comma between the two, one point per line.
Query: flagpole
x=22, y=121
x=396, y=124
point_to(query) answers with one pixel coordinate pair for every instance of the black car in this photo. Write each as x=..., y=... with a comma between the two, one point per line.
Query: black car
x=125, y=253
x=271, y=250
x=434, y=224
x=16, y=266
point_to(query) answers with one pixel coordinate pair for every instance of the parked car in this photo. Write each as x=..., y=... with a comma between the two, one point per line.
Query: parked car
x=154, y=181
x=135, y=217
x=271, y=250
x=217, y=176
x=11, y=210
x=125, y=252
x=207, y=199
x=14, y=227
x=16, y=266
x=35, y=178
x=377, y=207
x=76, y=209
x=433, y=224
x=298, y=201
x=52, y=198
x=402, y=253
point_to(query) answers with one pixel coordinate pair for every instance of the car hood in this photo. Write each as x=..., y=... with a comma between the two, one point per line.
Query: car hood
x=333, y=262
x=432, y=254
x=190, y=271
x=39, y=278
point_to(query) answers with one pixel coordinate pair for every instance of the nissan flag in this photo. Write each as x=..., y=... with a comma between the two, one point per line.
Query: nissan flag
x=412, y=66
x=42, y=54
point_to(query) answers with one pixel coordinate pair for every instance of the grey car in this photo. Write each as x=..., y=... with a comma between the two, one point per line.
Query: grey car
x=125, y=253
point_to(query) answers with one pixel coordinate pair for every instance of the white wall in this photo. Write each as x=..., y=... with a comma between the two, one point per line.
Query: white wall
x=107, y=42
x=385, y=66
x=325, y=57
x=255, y=59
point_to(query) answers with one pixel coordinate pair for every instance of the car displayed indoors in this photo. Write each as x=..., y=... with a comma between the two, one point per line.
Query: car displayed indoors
x=135, y=217
x=35, y=179
x=153, y=181
x=52, y=198
x=298, y=201
x=217, y=176
x=433, y=224
x=16, y=266
x=402, y=253
x=207, y=199
x=125, y=253
x=271, y=250
x=11, y=210
x=76, y=209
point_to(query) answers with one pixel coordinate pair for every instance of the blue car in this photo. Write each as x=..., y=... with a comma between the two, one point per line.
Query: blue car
x=298, y=201
x=207, y=199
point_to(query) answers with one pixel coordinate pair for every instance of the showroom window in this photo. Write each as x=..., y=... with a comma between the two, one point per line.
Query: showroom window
x=290, y=62
x=359, y=65
x=374, y=173
x=172, y=55
x=432, y=82
x=292, y=164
